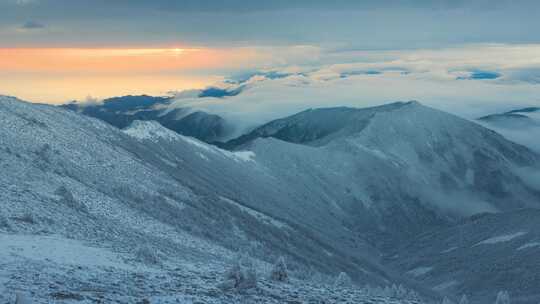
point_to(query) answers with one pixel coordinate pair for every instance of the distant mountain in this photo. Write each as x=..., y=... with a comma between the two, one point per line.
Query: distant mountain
x=518, y=118
x=409, y=162
x=122, y=111
x=519, y=125
x=311, y=126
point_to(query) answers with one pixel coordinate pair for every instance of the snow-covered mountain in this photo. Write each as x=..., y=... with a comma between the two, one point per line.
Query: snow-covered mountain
x=423, y=148
x=519, y=118
x=333, y=190
x=122, y=111
x=83, y=200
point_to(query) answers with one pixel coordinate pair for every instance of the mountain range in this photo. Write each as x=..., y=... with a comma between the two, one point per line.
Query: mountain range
x=122, y=111
x=395, y=194
x=519, y=125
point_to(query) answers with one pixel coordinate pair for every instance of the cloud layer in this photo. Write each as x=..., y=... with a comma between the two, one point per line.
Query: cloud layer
x=470, y=81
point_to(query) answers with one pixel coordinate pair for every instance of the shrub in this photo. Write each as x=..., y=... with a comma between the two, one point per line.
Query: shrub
x=69, y=200
x=240, y=276
x=343, y=280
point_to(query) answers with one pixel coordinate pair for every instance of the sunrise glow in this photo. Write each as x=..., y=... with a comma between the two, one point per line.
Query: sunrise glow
x=60, y=74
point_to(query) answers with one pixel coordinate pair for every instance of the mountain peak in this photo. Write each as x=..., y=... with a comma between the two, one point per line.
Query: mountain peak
x=319, y=126
x=412, y=103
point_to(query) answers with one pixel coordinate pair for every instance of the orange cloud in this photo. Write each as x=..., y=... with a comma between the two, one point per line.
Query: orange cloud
x=61, y=74
x=120, y=60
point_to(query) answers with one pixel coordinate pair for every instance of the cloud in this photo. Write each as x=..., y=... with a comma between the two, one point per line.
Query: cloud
x=366, y=78
x=526, y=74
x=354, y=24
x=245, y=76
x=531, y=176
x=32, y=25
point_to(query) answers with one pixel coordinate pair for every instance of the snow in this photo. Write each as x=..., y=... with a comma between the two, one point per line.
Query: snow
x=153, y=131
x=148, y=186
x=529, y=245
x=202, y=156
x=449, y=249
x=197, y=143
x=58, y=250
x=54, y=269
x=445, y=285
x=150, y=130
x=419, y=271
x=244, y=155
x=501, y=238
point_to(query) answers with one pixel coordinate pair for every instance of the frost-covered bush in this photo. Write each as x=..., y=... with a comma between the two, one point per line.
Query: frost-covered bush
x=343, y=280
x=241, y=276
x=147, y=255
x=399, y=291
x=27, y=217
x=279, y=271
x=412, y=295
x=69, y=200
x=503, y=297
x=4, y=222
x=464, y=300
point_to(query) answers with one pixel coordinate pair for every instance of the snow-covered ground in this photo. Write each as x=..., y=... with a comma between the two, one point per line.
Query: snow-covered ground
x=97, y=214
x=501, y=238
x=53, y=269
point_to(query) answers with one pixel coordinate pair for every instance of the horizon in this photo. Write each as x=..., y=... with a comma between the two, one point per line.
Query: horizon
x=466, y=63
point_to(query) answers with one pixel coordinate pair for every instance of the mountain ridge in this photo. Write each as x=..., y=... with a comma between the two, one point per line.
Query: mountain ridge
x=334, y=201
x=122, y=111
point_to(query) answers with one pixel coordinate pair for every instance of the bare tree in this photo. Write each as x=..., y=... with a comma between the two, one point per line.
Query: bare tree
x=242, y=275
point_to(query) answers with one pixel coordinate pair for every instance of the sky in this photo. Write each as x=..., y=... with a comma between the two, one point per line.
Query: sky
x=468, y=57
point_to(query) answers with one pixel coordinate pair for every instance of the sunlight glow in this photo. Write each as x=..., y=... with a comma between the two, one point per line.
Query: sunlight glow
x=60, y=74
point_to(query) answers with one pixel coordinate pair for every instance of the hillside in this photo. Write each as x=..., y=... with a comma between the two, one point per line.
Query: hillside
x=332, y=190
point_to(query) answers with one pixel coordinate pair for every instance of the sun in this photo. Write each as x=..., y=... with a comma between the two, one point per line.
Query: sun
x=178, y=51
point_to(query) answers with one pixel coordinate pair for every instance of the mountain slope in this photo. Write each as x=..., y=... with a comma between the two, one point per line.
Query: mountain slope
x=83, y=184
x=399, y=171
x=310, y=126
x=478, y=257
x=331, y=189
x=426, y=146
